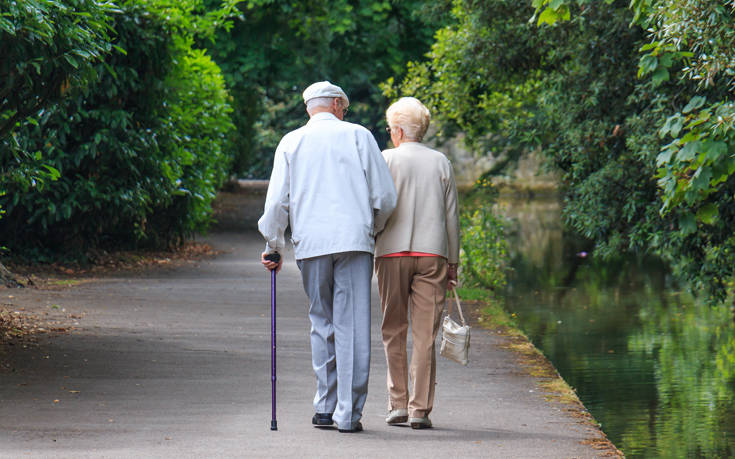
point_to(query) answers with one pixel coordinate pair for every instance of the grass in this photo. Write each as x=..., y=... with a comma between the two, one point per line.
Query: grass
x=65, y=282
x=492, y=312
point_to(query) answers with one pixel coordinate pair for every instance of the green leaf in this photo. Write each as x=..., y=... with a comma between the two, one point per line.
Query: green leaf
x=715, y=150
x=672, y=126
x=688, y=152
x=703, y=117
x=665, y=60
x=701, y=180
x=708, y=214
x=691, y=136
x=53, y=172
x=556, y=4
x=649, y=46
x=647, y=64
x=547, y=16
x=551, y=16
x=659, y=76
x=73, y=62
x=676, y=126
x=665, y=156
x=694, y=103
x=687, y=224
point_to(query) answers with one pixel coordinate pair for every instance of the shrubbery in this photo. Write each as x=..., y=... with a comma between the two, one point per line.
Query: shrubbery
x=484, y=249
x=47, y=47
x=139, y=151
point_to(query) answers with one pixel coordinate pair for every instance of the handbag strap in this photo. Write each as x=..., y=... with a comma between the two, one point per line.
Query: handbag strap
x=459, y=306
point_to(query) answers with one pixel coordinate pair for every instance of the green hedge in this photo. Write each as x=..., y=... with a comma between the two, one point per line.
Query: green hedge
x=139, y=151
x=47, y=47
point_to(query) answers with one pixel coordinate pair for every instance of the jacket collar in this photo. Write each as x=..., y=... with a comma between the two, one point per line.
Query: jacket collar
x=323, y=116
x=410, y=145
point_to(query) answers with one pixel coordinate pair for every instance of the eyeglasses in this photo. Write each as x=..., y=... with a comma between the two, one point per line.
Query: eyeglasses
x=388, y=129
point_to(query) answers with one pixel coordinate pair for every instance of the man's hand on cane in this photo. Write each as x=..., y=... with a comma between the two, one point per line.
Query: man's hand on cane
x=271, y=265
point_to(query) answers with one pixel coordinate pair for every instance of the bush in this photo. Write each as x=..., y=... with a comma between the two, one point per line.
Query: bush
x=484, y=250
x=139, y=151
x=46, y=48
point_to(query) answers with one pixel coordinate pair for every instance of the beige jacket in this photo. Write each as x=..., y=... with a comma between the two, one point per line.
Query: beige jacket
x=426, y=217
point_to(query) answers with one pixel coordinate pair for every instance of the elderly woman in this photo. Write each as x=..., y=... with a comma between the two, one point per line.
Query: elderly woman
x=416, y=260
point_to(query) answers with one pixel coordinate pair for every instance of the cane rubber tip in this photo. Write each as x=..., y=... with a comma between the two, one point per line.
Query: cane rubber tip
x=274, y=425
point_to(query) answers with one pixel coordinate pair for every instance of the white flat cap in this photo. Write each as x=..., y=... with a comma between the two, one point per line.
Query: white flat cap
x=325, y=89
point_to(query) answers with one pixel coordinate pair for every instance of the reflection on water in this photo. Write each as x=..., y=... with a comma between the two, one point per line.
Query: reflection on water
x=655, y=368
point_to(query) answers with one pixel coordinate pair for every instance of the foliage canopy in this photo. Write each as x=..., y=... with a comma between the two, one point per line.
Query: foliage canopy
x=138, y=150
x=275, y=49
x=631, y=101
x=47, y=47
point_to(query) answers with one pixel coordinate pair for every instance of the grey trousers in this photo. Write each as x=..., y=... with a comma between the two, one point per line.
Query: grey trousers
x=338, y=287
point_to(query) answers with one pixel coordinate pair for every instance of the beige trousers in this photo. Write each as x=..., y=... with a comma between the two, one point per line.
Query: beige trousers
x=418, y=283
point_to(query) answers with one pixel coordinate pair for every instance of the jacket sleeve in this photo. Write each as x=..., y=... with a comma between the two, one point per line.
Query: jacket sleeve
x=272, y=225
x=452, y=213
x=381, y=189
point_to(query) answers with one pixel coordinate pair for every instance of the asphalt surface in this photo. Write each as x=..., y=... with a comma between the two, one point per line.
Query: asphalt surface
x=176, y=364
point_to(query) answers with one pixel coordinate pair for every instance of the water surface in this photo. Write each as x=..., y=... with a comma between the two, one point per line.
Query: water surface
x=655, y=368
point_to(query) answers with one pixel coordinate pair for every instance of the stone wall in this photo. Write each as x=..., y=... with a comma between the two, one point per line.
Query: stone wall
x=529, y=174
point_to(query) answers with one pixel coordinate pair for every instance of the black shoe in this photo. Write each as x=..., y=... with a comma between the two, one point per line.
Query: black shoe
x=322, y=419
x=358, y=428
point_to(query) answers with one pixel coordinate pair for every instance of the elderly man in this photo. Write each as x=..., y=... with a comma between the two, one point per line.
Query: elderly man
x=330, y=180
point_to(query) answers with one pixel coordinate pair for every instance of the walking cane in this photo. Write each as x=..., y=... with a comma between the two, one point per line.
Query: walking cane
x=275, y=258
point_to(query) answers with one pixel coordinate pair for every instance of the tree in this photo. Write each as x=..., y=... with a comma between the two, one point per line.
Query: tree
x=275, y=49
x=47, y=49
x=482, y=77
x=585, y=84
x=139, y=150
x=692, y=45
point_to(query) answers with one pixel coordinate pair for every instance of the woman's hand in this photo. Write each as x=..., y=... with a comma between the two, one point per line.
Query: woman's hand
x=452, y=275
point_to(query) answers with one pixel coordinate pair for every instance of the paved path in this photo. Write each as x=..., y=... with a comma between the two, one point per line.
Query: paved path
x=177, y=364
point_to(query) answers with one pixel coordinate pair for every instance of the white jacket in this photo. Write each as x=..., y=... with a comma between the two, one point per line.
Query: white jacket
x=331, y=183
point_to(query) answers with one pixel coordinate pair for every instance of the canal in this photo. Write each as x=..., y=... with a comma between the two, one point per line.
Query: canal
x=654, y=367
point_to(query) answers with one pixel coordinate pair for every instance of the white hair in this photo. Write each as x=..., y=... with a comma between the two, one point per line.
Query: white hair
x=409, y=114
x=319, y=102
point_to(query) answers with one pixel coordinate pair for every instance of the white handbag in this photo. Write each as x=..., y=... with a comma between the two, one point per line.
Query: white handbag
x=455, y=337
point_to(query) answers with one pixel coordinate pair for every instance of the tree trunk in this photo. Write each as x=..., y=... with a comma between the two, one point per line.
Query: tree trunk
x=7, y=278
